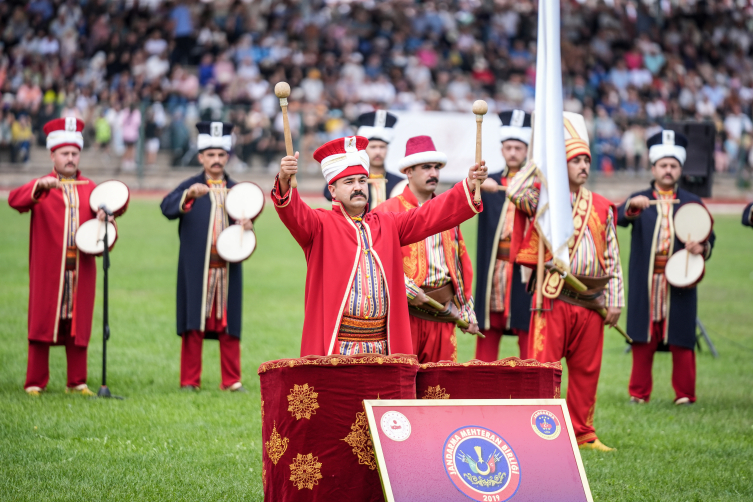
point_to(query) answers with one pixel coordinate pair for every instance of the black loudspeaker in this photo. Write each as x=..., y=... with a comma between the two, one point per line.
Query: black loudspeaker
x=698, y=171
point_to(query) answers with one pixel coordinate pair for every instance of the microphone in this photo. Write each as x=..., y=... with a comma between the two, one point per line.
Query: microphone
x=103, y=207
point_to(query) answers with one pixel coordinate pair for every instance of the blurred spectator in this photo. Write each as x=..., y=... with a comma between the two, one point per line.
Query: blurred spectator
x=130, y=123
x=21, y=137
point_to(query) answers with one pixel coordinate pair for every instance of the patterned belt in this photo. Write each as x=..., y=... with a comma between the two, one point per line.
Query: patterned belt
x=355, y=329
x=215, y=261
x=503, y=250
x=70, y=257
x=660, y=263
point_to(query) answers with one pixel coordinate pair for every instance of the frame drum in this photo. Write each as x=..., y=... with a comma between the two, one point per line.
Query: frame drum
x=90, y=235
x=684, y=270
x=694, y=221
x=244, y=201
x=113, y=194
x=235, y=244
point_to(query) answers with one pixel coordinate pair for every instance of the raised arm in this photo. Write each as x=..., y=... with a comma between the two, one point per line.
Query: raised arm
x=23, y=198
x=298, y=217
x=523, y=191
x=443, y=212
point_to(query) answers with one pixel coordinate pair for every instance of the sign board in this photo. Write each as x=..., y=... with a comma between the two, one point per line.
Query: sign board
x=454, y=134
x=487, y=450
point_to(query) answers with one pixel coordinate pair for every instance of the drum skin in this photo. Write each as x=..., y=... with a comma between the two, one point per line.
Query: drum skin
x=245, y=201
x=113, y=194
x=676, y=267
x=87, y=240
x=692, y=223
x=234, y=248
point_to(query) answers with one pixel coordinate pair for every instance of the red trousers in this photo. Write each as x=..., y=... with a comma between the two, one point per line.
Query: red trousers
x=487, y=349
x=683, y=367
x=190, y=359
x=38, y=367
x=576, y=334
x=433, y=341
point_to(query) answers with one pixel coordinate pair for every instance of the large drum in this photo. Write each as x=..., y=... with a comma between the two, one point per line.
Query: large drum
x=112, y=194
x=244, y=201
x=692, y=223
x=90, y=237
x=235, y=244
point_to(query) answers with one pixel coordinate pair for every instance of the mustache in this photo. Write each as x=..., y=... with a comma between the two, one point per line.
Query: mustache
x=356, y=194
x=583, y=171
x=217, y=164
x=433, y=179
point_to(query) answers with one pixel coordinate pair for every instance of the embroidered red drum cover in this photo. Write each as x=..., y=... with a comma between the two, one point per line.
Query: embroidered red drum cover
x=316, y=441
x=509, y=378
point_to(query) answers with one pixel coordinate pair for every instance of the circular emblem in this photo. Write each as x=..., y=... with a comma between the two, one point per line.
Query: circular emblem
x=395, y=426
x=545, y=424
x=481, y=464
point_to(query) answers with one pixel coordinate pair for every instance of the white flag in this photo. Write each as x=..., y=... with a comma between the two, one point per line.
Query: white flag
x=554, y=220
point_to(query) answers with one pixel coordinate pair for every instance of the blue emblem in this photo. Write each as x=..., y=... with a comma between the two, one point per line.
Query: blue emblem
x=480, y=464
x=545, y=424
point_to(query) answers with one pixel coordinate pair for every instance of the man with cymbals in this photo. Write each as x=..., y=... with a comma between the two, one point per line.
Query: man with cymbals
x=62, y=280
x=355, y=264
x=568, y=325
x=379, y=128
x=437, y=267
x=502, y=301
x=210, y=290
x=661, y=315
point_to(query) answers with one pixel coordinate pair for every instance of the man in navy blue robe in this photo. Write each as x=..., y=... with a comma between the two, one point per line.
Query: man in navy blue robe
x=210, y=290
x=502, y=300
x=661, y=316
x=379, y=128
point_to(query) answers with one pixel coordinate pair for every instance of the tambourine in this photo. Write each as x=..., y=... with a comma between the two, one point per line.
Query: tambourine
x=91, y=234
x=235, y=244
x=692, y=223
x=684, y=270
x=113, y=194
x=244, y=201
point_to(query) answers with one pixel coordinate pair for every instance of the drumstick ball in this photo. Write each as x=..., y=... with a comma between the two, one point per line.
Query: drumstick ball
x=282, y=91
x=479, y=109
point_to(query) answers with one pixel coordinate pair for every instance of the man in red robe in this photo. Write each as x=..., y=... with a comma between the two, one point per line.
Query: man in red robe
x=354, y=258
x=569, y=327
x=62, y=280
x=437, y=267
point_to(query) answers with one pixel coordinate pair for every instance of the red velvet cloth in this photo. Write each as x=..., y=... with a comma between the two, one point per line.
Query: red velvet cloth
x=47, y=245
x=509, y=378
x=683, y=367
x=314, y=406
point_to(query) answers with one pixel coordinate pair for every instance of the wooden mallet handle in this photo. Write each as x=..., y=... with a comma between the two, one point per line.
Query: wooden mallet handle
x=282, y=91
x=479, y=109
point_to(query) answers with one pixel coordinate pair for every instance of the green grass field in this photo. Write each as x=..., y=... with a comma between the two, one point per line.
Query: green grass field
x=162, y=444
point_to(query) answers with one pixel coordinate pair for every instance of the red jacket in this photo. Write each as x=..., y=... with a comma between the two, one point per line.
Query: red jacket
x=47, y=246
x=331, y=242
x=415, y=263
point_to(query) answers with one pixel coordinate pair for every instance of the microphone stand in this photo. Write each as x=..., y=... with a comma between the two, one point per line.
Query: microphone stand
x=104, y=391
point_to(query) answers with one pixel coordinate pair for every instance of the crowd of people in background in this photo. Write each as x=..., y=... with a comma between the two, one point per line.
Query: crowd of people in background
x=140, y=73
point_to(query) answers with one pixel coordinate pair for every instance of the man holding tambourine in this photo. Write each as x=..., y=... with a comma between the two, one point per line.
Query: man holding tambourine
x=212, y=247
x=671, y=239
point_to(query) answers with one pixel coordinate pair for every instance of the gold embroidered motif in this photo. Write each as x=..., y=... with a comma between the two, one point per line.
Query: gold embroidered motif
x=435, y=393
x=262, y=411
x=276, y=445
x=302, y=401
x=539, y=323
x=590, y=417
x=360, y=440
x=305, y=471
x=264, y=479
x=454, y=342
x=335, y=360
x=557, y=392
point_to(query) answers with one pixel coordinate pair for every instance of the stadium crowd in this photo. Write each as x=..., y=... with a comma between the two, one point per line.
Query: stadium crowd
x=150, y=69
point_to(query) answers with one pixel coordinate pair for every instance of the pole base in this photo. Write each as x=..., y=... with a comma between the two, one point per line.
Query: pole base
x=105, y=392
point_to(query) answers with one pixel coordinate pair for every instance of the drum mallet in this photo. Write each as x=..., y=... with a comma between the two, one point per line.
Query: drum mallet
x=479, y=109
x=282, y=91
